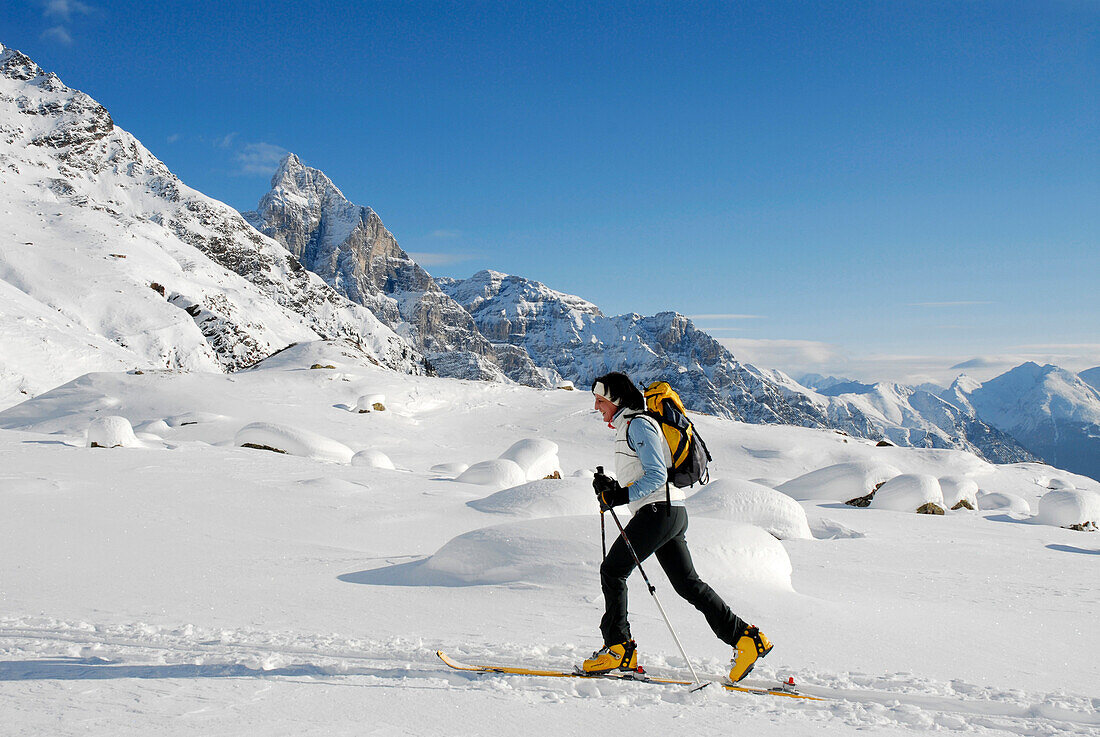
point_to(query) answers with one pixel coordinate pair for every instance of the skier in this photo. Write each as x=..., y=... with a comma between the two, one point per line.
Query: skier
x=642, y=457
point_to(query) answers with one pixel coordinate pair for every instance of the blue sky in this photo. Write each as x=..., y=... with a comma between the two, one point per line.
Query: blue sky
x=882, y=189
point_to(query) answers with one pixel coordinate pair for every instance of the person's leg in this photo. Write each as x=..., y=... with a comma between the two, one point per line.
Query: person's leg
x=675, y=559
x=647, y=530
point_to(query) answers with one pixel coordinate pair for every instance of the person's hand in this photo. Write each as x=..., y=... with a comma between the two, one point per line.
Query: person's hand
x=608, y=492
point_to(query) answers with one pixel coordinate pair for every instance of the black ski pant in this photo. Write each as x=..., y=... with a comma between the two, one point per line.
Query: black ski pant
x=657, y=528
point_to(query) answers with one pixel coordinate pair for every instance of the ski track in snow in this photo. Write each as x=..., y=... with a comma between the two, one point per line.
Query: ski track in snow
x=33, y=649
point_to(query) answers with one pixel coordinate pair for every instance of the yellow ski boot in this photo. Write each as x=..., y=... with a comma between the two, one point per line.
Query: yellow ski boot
x=751, y=646
x=623, y=656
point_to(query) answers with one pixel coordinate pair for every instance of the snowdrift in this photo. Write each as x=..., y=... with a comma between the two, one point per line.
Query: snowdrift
x=498, y=473
x=1069, y=507
x=537, y=457
x=908, y=492
x=565, y=551
x=112, y=432
x=839, y=482
x=542, y=498
x=737, y=500
x=293, y=440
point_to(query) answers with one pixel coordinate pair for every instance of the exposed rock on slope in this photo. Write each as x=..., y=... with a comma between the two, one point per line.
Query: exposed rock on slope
x=92, y=219
x=349, y=247
x=571, y=336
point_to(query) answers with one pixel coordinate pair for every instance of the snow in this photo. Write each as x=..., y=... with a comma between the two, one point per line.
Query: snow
x=450, y=470
x=542, y=498
x=111, y=432
x=956, y=489
x=372, y=459
x=744, y=501
x=294, y=441
x=744, y=553
x=499, y=472
x=907, y=492
x=196, y=587
x=537, y=457
x=1065, y=507
x=1013, y=503
x=839, y=482
x=370, y=402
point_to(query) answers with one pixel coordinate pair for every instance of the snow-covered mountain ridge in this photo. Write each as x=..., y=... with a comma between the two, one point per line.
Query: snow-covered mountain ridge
x=348, y=246
x=1052, y=412
x=473, y=328
x=102, y=244
x=108, y=261
x=572, y=336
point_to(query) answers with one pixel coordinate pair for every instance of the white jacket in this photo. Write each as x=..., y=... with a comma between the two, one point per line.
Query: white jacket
x=629, y=469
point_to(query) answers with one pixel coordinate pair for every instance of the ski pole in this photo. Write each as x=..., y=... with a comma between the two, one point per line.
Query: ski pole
x=603, y=533
x=653, y=593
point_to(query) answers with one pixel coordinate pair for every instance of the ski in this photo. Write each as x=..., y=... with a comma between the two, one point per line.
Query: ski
x=781, y=689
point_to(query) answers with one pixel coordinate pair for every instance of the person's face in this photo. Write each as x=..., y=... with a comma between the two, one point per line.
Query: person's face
x=606, y=408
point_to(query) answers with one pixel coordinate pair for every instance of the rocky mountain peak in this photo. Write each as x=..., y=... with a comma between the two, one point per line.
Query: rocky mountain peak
x=223, y=296
x=348, y=246
x=15, y=64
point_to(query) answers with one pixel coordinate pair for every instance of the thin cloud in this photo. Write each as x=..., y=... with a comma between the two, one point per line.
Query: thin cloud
x=64, y=10
x=60, y=34
x=225, y=141
x=726, y=317
x=948, y=304
x=259, y=158
x=174, y=137
x=445, y=234
x=439, y=259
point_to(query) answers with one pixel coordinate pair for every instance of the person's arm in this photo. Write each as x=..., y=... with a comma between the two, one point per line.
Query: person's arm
x=645, y=440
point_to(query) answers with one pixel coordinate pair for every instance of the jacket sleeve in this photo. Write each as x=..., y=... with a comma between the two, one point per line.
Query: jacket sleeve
x=645, y=440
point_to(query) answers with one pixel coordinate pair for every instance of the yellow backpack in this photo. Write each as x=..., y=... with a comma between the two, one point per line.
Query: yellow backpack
x=689, y=453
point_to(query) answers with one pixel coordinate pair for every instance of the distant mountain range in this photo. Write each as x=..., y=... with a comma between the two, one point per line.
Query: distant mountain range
x=109, y=262
x=1053, y=413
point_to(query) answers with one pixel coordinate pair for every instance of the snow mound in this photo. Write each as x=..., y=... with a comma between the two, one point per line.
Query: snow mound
x=824, y=528
x=562, y=550
x=1012, y=503
x=294, y=441
x=959, y=488
x=372, y=459
x=112, y=432
x=371, y=402
x=743, y=552
x=193, y=418
x=542, y=498
x=500, y=473
x=154, y=427
x=565, y=551
x=1068, y=507
x=839, y=482
x=743, y=501
x=449, y=469
x=1059, y=484
x=907, y=492
x=537, y=457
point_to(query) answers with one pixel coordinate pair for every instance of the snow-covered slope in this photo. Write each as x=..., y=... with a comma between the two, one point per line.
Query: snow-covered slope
x=1050, y=411
x=1091, y=377
x=100, y=236
x=572, y=336
x=189, y=586
x=348, y=246
x=915, y=417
